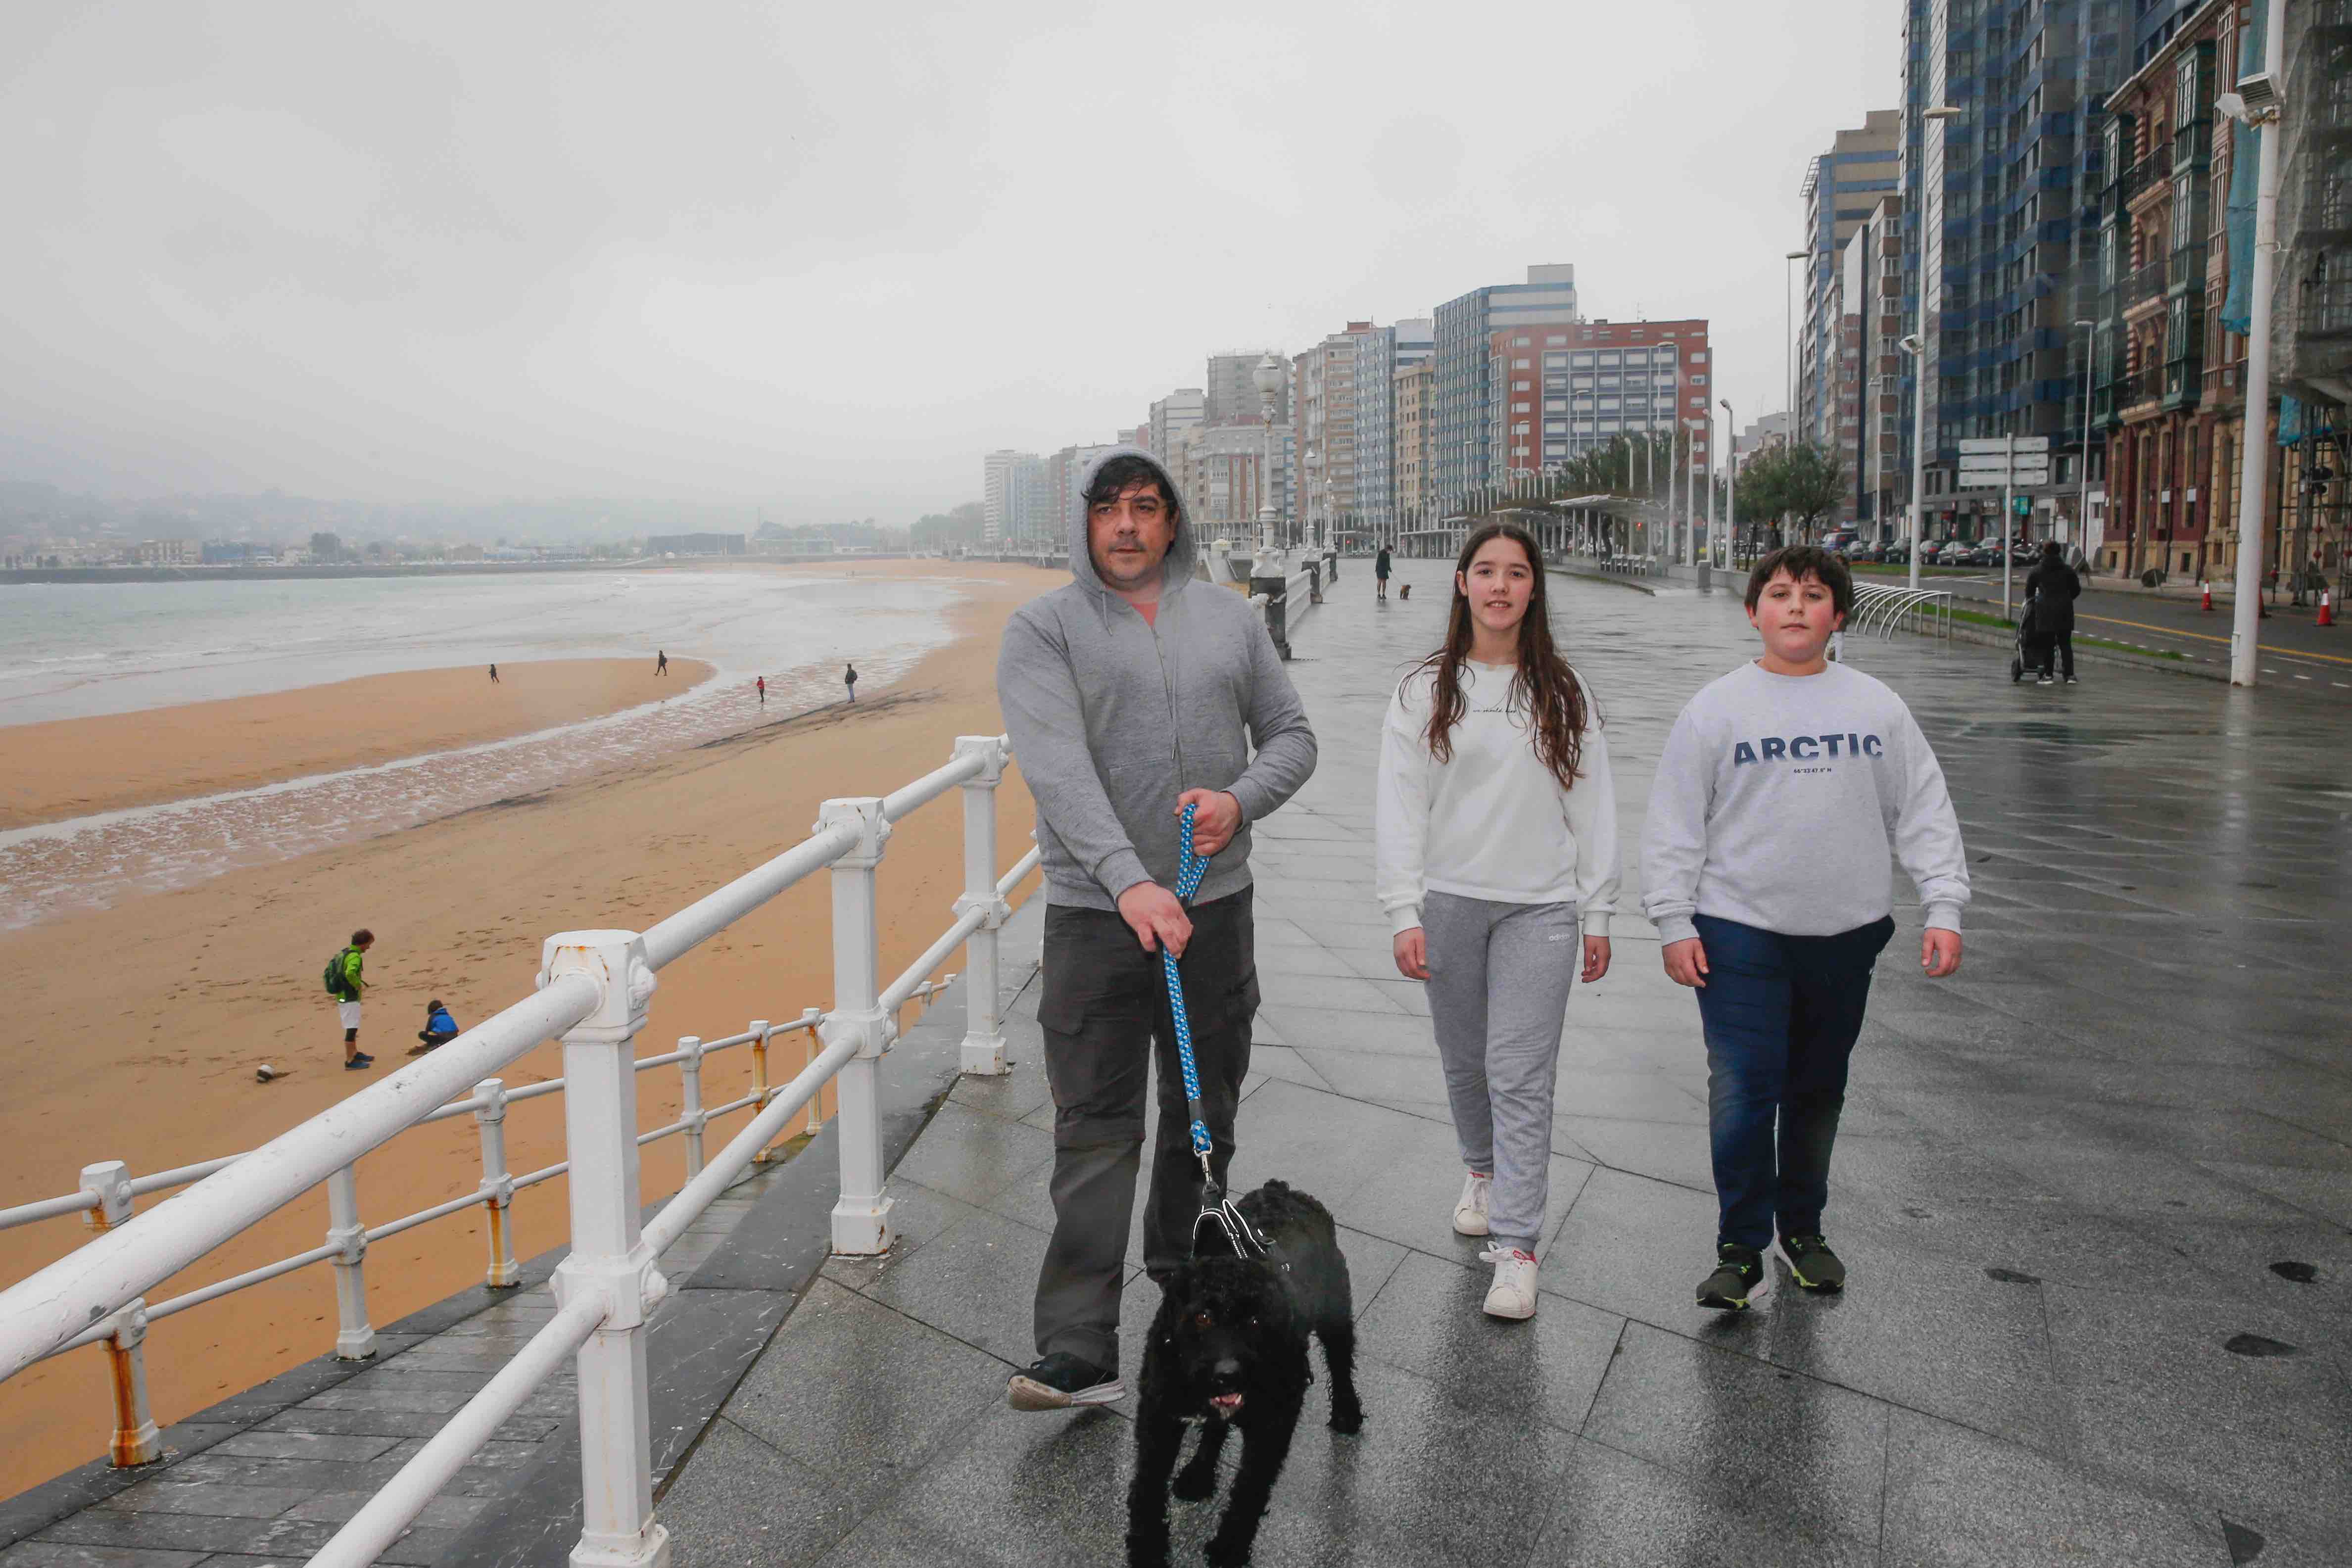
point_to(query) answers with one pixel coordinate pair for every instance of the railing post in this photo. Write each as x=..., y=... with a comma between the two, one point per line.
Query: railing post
x=135, y=1440
x=610, y=1262
x=984, y=1038
x=758, y=1032
x=497, y=1183
x=808, y=1030
x=861, y=1217
x=690, y=1073
x=356, y=1341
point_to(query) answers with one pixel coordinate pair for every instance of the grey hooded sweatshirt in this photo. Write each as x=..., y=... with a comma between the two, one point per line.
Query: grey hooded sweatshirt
x=1113, y=716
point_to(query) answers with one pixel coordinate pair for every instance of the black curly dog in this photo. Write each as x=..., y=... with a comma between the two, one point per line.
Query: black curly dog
x=1229, y=1350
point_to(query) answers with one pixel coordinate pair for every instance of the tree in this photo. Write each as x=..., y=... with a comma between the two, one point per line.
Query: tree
x=326, y=547
x=1804, y=481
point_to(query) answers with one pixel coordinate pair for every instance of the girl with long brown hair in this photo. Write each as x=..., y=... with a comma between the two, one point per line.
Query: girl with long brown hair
x=1496, y=831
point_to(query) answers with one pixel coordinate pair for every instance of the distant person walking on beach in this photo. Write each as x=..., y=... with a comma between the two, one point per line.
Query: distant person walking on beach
x=661, y=662
x=849, y=679
x=1381, y=571
x=762, y=684
x=494, y=675
x=1130, y=698
x=344, y=983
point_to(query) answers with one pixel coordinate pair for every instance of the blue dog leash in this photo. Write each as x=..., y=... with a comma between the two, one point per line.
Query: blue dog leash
x=1215, y=1204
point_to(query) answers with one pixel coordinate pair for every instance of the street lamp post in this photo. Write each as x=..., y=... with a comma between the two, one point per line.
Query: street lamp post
x=1929, y=290
x=2257, y=101
x=1789, y=351
x=1730, y=477
x=1269, y=378
x=2083, y=476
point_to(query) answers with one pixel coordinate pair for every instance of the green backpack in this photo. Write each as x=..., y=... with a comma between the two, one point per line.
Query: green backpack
x=339, y=985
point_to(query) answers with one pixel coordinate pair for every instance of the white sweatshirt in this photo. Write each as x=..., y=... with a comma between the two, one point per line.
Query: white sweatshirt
x=1491, y=822
x=1775, y=798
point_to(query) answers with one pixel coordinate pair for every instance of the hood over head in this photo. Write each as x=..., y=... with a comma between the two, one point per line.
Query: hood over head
x=1183, y=550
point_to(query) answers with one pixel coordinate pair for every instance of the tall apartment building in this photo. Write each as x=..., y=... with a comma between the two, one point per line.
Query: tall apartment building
x=1323, y=391
x=1171, y=415
x=1033, y=518
x=1870, y=289
x=1409, y=445
x=1841, y=187
x=1562, y=390
x=1221, y=470
x=2001, y=218
x=1231, y=395
x=1380, y=354
x=997, y=504
x=1462, y=445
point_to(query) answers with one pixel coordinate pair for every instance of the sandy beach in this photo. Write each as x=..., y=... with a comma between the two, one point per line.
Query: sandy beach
x=74, y=767
x=137, y=1027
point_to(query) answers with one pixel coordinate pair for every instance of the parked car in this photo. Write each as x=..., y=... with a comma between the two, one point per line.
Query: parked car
x=1839, y=539
x=1895, y=552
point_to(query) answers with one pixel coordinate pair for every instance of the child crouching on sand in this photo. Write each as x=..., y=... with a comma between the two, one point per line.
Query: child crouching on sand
x=1764, y=862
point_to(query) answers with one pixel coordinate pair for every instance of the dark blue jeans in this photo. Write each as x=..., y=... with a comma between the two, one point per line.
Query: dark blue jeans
x=1781, y=1014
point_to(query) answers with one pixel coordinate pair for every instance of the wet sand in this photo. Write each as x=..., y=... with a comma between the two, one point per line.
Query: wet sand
x=137, y=1029
x=75, y=767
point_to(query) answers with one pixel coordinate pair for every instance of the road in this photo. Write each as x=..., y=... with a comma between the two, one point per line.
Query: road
x=2295, y=650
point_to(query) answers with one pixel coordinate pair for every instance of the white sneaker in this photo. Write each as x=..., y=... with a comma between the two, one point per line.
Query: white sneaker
x=1513, y=1293
x=1470, y=1213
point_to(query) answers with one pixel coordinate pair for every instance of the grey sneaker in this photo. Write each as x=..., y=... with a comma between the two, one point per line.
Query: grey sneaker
x=1736, y=1272
x=1061, y=1381
x=1816, y=1268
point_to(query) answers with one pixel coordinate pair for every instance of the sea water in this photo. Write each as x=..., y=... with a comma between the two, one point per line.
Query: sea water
x=72, y=650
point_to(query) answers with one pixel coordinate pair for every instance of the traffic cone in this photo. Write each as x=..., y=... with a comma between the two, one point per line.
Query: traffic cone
x=2326, y=609
x=2208, y=605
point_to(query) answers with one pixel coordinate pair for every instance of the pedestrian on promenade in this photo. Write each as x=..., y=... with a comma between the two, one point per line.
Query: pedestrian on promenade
x=1381, y=572
x=494, y=675
x=849, y=679
x=1766, y=872
x=762, y=684
x=2052, y=587
x=661, y=662
x=1130, y=696
x=1494, y=833
x=346, y=968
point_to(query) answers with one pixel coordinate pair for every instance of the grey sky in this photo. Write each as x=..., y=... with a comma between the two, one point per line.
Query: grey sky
x=822, y=257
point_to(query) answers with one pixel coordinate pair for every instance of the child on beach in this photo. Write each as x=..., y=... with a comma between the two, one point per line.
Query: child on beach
x=1765, y=869
x=1496, y=834
x=439, y=1028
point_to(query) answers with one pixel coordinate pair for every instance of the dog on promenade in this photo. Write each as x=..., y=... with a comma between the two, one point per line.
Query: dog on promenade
x=1228, y=1349
x=1405, y=590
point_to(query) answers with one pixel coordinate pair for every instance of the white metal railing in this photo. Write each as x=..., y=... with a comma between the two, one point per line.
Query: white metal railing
x=1883, y=606
x=593, y=991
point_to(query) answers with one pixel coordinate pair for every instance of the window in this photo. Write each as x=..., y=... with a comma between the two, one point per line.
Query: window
x=1699, y=357
x=1521, y=364
x=1583, y=359
x=1523, y=386
x=1699, y=381
x=1521, y=341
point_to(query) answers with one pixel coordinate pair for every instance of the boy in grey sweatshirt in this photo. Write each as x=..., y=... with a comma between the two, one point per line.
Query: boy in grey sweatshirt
x=1766, y=871
x=1132, y=693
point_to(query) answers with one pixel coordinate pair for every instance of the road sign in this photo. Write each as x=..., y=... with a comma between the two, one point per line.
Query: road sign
x=2003, y=478
x=2001, y=444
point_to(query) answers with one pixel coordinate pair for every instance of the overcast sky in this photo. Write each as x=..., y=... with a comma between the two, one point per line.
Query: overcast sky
x=822, y=257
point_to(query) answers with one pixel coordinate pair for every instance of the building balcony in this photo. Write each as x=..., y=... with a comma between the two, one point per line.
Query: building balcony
x=2140, y=288
x=2186, y=269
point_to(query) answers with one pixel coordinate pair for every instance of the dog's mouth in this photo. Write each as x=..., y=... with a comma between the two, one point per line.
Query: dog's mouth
x=1226, y=1406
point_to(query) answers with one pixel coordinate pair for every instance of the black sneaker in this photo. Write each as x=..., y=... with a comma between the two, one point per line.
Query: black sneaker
x=356, y=1063
x=1737, y=1271
x=1815, y=1267
x=1060, y=1381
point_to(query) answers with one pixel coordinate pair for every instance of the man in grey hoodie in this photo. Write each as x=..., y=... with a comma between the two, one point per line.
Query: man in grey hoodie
x=1129, y=695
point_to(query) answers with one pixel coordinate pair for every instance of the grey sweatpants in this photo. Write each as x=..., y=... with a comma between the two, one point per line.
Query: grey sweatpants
x=1498, y=980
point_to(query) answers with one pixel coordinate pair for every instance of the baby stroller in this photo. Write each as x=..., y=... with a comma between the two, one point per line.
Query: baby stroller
x=2034, y=643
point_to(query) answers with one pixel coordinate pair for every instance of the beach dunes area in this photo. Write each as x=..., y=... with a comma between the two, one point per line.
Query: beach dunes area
x=76, y=766
x=139, y=1027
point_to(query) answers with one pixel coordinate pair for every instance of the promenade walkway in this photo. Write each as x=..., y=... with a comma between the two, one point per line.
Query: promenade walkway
x=2094, y=1192
x=2097, y=1193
